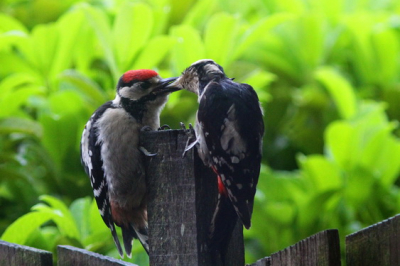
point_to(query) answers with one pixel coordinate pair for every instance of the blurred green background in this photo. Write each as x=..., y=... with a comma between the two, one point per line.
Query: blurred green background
x=326, y=71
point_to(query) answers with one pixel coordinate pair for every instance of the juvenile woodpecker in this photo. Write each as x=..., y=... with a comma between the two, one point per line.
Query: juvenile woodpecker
x=229, y=130
x=112, y=158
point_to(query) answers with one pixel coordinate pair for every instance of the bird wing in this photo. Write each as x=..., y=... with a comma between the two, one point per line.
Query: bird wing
x=91, y=161
x=233, y=127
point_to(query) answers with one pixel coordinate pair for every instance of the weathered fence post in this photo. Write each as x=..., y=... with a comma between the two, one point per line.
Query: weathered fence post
x=321, y=249
x=182, y=196
x=377, y=245
x=68, y=256
x=17, y=255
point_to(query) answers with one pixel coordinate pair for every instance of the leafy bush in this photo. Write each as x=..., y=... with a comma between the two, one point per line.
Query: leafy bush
x=327, y=73
x=53, y=223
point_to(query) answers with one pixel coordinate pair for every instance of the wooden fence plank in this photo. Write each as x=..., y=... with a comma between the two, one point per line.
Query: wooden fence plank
x=321, y=249
x=262, y=262
x=181, y=203
x=68, y=256
x=17, y=255
x=376, y=245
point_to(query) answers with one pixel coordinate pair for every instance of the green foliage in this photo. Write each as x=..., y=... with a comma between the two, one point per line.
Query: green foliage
x=53, y=223
x=348, y=187
x=327, y=74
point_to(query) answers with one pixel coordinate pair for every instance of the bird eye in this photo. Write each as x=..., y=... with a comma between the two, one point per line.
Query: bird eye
x=145, y=85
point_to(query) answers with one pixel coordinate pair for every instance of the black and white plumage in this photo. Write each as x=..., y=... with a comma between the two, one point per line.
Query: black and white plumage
x=112, y=158
x=229, y=130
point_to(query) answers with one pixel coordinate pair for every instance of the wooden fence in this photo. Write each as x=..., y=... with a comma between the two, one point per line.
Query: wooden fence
x=179, y=212
x=377, y=245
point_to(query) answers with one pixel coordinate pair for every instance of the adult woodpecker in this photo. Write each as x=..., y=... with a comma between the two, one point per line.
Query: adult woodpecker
x=112, y=158
x=229, y=130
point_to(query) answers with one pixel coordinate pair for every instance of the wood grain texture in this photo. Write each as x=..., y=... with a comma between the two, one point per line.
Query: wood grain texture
x=17, y=255
x=376, y=245
x=182, y=196
x=262, y=262
x=321, y=249
x=68, y=256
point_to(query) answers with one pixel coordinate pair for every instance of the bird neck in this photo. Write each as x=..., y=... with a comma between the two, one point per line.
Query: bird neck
x=136, y=108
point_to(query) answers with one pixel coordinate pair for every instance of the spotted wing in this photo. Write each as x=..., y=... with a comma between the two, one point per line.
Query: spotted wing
x=231, y=120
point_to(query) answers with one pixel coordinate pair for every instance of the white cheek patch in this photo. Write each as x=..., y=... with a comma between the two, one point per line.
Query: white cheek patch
x=131, y=93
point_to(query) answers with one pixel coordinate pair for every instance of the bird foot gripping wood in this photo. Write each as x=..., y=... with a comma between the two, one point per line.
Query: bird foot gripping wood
x=191, y=134
x=146, y=152
x=164, y=127
x=143, y=149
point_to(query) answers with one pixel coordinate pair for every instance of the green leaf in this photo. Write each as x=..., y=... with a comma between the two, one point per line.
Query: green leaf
x=60, y=134
x=92, y=92
x=388, y=164
x=386, y=47
x=64, y=102
x=339, y=138
x=340, y=90
x=20, y=230
x=154, y=52
x=199, y=13
x=219, y=37
x=161, y=15
x=254, y=33
x=42, y=47
x=10, y=38
x=21, y=125
x=62, y=123
x=13, y=63
x=365, y=143
x=68, y=28
x=13, y=81
x=274, y=56
x=132, y=28
x=360, y=26
x=96, y=223
x=189, y=47
x=17, y=98
x=80, y=209
x=8, y=23
x=324, y=174
x=61, y=215
x=99, y=22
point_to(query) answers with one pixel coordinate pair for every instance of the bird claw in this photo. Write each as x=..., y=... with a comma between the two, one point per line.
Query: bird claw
x=189, y=146
x=146, y=129
x=146, y=152
x=164, y=127
x=182, y=125
x=191, y=134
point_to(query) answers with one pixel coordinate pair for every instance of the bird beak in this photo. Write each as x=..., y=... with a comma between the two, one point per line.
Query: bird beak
x=176, y=83
x=164, y=86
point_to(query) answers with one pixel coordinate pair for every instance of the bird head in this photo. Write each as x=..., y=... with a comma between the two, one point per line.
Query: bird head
x=137, y=84
x=196, y=77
